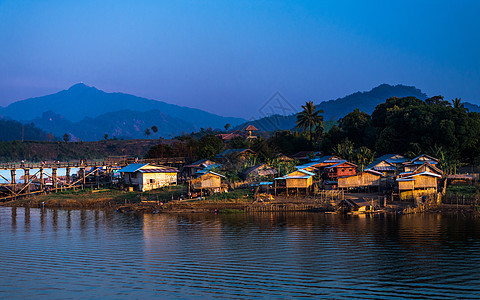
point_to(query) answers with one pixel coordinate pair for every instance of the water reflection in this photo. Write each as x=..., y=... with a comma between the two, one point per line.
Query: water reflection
x=81, y=253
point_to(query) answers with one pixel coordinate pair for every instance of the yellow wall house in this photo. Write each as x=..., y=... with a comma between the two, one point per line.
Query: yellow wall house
x=208, y=181
x=299, y=179
x=367, y=178
x=416, y=184
x=145, y=177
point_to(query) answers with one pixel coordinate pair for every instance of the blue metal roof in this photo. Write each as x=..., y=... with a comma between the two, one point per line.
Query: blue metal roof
x=132, y=168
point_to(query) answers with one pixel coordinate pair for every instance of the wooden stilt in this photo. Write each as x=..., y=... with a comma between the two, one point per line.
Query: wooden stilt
x=54, y=178
x=13, y=180
x=26, y=179
x=67, y=173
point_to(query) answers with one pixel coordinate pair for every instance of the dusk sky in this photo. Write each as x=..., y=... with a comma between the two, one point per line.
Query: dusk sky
x=229, y=57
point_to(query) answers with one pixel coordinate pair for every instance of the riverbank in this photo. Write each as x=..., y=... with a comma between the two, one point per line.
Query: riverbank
x=168, y=200
x=161, y=200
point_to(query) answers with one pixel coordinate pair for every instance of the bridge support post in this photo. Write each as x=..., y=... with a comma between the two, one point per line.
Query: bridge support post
x=67, y=174
x=26, y=179
x=41, y=180
x=82, y=176
x=54, y=178
x=97, y=177
x=13, y=180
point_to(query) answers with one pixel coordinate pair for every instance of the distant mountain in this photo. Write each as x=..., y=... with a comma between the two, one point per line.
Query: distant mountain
x=81, y=101
x=471, y=107
x=336, y=109
x=126, y=124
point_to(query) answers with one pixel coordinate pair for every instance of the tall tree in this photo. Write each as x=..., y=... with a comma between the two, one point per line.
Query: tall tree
x=66, y=137
x=227, y=126
x=309, y=118
x=147, y=132
x=154, y=129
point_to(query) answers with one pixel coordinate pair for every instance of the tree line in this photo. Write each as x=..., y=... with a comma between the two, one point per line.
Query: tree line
x=407, y=126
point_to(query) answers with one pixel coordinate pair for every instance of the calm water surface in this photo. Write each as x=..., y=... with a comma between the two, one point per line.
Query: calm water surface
x=99, y=254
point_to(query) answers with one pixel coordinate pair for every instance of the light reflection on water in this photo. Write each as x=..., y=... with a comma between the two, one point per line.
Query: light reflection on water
x=92, y=253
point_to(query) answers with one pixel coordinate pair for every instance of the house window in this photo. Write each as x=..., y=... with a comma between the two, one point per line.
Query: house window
x=350, y=169
x=152, y=180
x=133, y=175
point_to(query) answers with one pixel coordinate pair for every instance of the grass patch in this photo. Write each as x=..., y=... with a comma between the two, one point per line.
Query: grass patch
x=231, y=211
x=166, y=193
x=244, y=195
x=467, y=190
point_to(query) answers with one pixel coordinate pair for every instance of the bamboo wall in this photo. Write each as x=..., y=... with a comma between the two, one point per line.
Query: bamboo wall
x=362, y=179
x=406, y=185
x=207, y=181
x=420, y=182
x=299, y=182
x=405, y=195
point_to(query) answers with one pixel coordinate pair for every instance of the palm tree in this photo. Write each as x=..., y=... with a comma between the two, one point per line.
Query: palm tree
x=309, y=118
x=154, y=129
x=364, y=157
x=457, y=103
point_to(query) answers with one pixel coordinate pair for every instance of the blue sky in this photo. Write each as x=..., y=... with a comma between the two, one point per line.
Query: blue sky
x=229, y=57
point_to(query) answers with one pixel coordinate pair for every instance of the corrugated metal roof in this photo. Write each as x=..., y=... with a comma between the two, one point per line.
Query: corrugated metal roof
x=339, y=163
x=159, y=170
x=131, y=168
x=210, y=172
x=288, y=176
x=389, y=156
x=374, y=172
x=384, y=168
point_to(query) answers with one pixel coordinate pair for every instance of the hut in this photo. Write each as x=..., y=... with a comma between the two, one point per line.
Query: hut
x=209, y=181
x=249, y=130
x=412, y=185
x=425, y=158
x=145, y=177
x=282, y=157
x=259, y=171
x=234, y=153
x=201, y=164
x=369, y=179
x=318, y=165
x=425, y=166
x=298, y=180
x=387, y=169
x=226, y=137
x=340, y=169
x=387, y=164
x=360, y=205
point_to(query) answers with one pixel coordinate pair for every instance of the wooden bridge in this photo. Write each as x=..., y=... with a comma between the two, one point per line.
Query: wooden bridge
x=40, y=177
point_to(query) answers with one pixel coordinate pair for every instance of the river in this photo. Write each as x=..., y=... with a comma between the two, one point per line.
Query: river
x=49, y=253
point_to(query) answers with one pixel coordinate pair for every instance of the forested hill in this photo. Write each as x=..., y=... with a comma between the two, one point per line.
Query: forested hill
x=338, y=108
x=12, y=130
